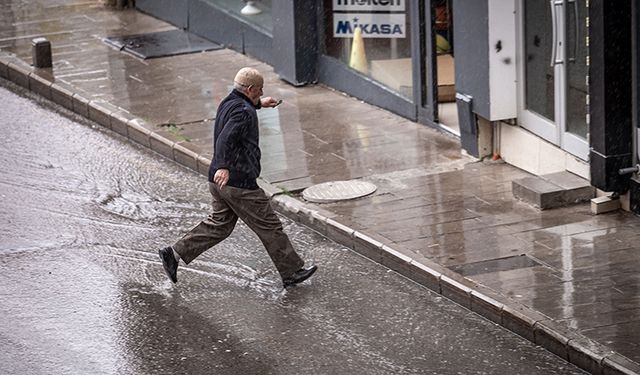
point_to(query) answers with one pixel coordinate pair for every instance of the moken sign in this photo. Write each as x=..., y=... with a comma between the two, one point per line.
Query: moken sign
x=369, y=5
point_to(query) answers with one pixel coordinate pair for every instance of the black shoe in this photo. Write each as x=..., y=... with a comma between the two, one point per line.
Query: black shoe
x=169, y=263
x=299, y=276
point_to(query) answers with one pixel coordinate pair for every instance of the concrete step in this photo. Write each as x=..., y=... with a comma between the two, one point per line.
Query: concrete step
x=553, y=190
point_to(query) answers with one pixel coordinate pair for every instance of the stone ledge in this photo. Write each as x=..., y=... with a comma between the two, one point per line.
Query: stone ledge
x=552, y=190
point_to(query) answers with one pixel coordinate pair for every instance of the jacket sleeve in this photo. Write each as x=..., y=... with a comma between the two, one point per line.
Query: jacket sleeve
x=227, y=148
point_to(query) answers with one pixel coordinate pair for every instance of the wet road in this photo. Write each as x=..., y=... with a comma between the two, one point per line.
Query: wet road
x=83, y=213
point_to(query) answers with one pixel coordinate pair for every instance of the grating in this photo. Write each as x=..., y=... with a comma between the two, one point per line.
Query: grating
x=162, y=44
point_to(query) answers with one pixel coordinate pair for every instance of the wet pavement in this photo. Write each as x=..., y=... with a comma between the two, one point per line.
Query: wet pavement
x=433, y=203
x=83, y=291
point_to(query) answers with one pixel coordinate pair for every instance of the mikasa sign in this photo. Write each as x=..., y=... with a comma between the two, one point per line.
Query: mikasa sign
x=376, y=18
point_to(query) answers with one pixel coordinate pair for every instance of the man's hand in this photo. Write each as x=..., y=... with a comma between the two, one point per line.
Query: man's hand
x=269, y=102
x=221, y=177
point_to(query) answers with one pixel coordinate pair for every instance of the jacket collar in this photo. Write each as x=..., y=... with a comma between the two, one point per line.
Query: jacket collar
x=241, y=95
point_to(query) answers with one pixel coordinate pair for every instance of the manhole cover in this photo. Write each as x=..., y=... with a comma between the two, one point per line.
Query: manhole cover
x=337, y=191
x=163, y=43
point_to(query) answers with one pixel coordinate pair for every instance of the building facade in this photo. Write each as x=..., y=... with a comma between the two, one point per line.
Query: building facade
x=549, y=86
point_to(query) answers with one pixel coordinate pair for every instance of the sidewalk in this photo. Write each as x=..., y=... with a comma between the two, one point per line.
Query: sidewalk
x=562, y=278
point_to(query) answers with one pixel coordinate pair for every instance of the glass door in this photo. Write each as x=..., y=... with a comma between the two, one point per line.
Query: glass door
x=554, y=72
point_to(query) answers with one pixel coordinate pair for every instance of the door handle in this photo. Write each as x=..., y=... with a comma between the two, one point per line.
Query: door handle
x=575, y=41
x=554, y=22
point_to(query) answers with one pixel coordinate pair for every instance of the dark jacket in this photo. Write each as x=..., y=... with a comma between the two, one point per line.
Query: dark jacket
x=236, y=141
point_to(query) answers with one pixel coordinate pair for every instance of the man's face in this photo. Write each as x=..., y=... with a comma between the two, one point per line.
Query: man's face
x=255, y=92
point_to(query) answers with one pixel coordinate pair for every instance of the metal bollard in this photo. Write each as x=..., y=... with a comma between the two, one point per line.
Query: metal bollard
x=41, y=53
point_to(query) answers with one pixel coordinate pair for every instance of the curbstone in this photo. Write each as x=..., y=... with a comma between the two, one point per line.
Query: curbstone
x=587, y=354
x=161, y=145
x=40, y=85
x=425, y=276
x=521, y=320
x=138, y=133
x=616, y=364
x=18, y=74
x=203, y=165
x=319, y=222
x=456, y=290
x=62, y=95
x=552, y=336
x=99, y=113
x=305, y=217
x=80, y=105
x=367, y=246
x=395, y=260
x=185, y=156
x=119, y=122
x=486, y=303
x=4, y=66
x=340, y=233
x=269, y=190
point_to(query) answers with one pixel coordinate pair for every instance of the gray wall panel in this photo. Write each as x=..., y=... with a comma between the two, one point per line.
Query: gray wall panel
x=295, y=40
x=471, y=35
x=219, y=26
x=173, y=11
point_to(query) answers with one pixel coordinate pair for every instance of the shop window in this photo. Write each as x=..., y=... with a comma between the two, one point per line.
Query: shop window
x=373, y=38
x=256, y=12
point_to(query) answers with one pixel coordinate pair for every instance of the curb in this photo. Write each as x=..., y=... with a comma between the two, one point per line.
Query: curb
x=530, y=324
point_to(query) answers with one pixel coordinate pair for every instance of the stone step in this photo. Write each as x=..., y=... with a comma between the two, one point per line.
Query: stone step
x=553, y=190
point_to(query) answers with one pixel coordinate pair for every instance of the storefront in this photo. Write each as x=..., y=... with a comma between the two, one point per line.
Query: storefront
x=396, y=54
x=544, y=84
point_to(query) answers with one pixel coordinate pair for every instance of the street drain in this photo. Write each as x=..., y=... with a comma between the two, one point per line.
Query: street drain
x=334, y=191
x=495, y=265
x=161, y=44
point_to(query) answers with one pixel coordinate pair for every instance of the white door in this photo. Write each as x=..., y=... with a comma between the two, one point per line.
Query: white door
x=553, y=72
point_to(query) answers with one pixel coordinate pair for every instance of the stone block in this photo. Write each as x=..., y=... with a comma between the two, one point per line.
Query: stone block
x=100, y=113
x=587, y=354
x=62, y=95
x=484, y=302
x=119, y=121
x=185, y=157
x=553, y=190
x=549, y=335
x=425, y=276
x=340, y=233
x=4, y=66
x=138, y=133
x=161, y=145
x=395, y=260
x=367, y=246
x=520, y=320
x=18, y=74
x=80, y=105
x=203, y=165
x=40, y=86
x=615, y=364
x=604, y=204
x=456, y=290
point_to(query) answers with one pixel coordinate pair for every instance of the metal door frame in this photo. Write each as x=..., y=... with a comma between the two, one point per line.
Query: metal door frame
x=554, y=132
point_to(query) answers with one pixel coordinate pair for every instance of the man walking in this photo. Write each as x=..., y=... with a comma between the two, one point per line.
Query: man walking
x=232, y=183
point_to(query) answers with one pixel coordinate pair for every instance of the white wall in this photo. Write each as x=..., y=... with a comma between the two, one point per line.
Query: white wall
x=527, y=151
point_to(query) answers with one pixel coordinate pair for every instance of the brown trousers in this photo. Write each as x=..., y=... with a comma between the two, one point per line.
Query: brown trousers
x=254, y=208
